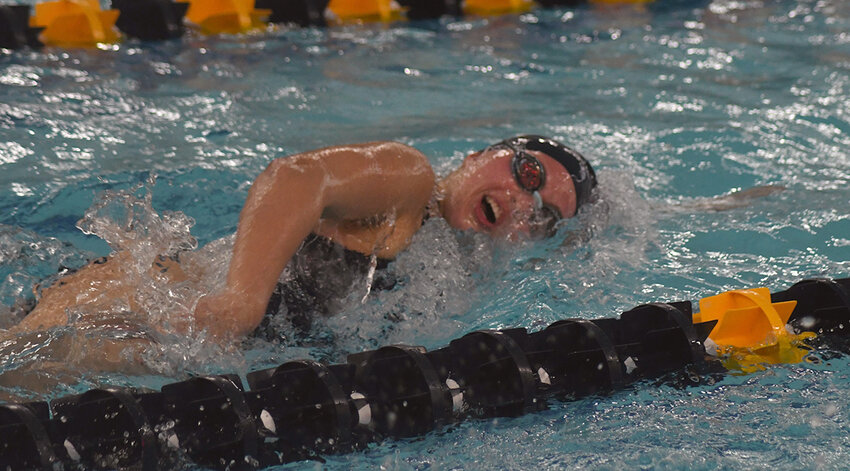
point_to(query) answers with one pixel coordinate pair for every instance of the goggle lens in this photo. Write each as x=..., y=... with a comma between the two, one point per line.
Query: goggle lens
x=528, y=172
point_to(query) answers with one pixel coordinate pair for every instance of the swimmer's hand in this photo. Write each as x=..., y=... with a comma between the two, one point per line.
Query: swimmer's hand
x=226, y=316
x=734, y=200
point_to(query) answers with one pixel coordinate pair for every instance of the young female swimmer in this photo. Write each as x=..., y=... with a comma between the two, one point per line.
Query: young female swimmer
x=367, y=199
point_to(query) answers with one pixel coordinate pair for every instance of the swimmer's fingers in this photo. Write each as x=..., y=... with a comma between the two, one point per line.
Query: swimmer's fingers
x=741, y=198
x=755, y=192
x=734, y=200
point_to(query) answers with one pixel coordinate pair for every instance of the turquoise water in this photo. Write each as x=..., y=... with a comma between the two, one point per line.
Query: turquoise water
x=674, y=104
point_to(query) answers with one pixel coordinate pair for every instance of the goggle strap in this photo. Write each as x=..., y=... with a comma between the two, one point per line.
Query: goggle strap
x=538, y=200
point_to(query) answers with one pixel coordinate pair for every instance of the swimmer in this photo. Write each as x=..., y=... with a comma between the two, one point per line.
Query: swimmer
x=366, y=199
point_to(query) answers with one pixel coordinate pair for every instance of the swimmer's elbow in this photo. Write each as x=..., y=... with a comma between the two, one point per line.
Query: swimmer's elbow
x=285, y=177
x=411, y=170
x=413, y=158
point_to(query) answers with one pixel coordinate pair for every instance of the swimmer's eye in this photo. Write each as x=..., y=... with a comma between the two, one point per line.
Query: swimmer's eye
x=542, y=222
x=528, y=171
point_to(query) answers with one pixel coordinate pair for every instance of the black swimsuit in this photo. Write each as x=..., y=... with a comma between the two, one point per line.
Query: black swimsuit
x=316, y=281
x=318, y=278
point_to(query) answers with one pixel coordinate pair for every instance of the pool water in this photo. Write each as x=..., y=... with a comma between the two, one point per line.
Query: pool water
x=674, y=103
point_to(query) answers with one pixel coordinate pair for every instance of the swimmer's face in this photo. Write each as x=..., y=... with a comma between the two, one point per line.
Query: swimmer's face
x=483, y=195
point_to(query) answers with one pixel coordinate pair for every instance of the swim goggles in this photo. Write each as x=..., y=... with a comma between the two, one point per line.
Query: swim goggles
x=584, y=178
x=530, y=174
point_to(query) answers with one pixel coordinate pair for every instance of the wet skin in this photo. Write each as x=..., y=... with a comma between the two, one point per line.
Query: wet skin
x=369, y=198
x=483, y=195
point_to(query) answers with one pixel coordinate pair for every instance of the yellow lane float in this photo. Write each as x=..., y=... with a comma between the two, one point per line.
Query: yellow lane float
x=347, y=11
x=226, y=16
x=496, y=7
x=751, y=331
x=620, y=2
x=84, y=23
x=75, y=23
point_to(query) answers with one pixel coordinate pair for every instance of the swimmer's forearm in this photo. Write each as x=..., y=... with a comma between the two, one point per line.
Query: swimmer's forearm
x=282, y=206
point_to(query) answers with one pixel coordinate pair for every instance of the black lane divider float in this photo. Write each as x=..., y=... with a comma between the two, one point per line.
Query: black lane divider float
x=15, y=31
x=303, y=408
x=151, y=20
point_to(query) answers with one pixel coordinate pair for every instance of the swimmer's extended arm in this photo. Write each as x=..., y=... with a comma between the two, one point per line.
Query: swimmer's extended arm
x=735, y=199
x=368, y=197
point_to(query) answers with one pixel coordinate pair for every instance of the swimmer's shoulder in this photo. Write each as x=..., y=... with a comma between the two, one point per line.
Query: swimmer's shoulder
x=379, y=153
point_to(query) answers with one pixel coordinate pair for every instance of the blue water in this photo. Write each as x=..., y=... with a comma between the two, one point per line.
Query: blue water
x=674, y=104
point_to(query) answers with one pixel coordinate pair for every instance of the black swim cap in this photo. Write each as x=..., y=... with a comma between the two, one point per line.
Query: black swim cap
x=584, y=178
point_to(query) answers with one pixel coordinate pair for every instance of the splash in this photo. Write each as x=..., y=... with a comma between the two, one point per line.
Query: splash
x=126, y=220
x=434, y=279
x=608, y=240
x=145, y=300
x=143, y=242
x=27, y=259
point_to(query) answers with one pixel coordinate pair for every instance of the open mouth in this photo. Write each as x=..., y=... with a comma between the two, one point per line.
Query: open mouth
x=491, y=209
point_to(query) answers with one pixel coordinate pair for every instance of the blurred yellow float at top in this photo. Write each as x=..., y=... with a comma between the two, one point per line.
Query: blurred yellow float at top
x=75, y=23
x=364, y=10
x=620, y=2
x=496, y=7
x=226, y=16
